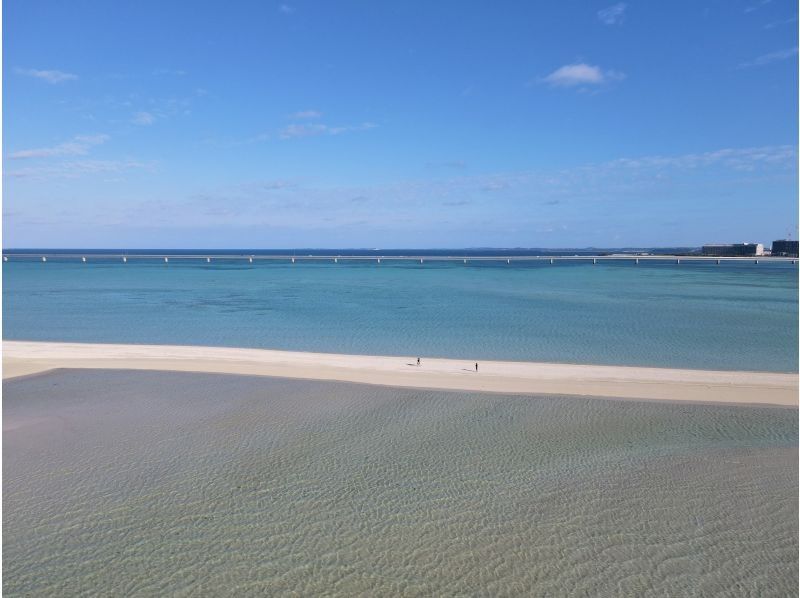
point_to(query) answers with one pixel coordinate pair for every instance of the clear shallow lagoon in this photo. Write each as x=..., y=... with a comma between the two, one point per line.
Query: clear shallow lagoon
x=155, y=483
x=732, y=316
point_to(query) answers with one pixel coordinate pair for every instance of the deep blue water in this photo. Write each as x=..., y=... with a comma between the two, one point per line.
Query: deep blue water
x=694, y=315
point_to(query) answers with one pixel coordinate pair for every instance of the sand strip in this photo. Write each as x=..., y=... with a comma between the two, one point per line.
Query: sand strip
x=24, y=358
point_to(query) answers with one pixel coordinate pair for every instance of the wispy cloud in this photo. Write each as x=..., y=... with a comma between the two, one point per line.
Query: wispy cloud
x=755, y=7
x=306, y=114
x=74, y=169
x=78, y=146
x=169, y=72
x=613, y=14
x=780, y=23
x=50, y=76
x=495, y=184
x=744, y=159
x=234, y=200
x=653, y=189
x=286, y=9
x=149, y=110
x=581, y=74
x=447, y=164
x=769, y=58
x=295, y=130
x=143, y=118
x=273, y=185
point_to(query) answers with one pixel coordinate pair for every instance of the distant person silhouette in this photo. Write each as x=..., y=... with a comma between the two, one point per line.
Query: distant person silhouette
x=476, y=367
x=417, y=361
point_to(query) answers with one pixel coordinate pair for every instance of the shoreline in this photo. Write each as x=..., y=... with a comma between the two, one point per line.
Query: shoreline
x=23, y=358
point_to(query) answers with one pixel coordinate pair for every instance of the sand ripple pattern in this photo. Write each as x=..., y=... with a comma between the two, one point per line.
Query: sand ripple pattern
x=156, y=483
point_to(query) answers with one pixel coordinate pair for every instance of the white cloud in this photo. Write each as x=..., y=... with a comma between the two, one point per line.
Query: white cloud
x=306, y=114
x=769, y=58
x=78, y=146
x=51, y=76
x=143, y=118
x=285, y=9
x=294, y=131
x=613, y=14
x=572, y=75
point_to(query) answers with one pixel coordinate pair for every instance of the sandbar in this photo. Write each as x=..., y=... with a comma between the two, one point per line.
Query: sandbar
x=22, y=358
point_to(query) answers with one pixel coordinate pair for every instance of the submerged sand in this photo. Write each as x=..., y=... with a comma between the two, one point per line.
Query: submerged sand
x=172, y=483
x=23, y=358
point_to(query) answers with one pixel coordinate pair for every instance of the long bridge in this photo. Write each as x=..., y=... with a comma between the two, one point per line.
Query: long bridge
x=421, y=259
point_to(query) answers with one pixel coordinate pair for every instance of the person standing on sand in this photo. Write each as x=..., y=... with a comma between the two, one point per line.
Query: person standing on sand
x=417, y=361
x=476, y=366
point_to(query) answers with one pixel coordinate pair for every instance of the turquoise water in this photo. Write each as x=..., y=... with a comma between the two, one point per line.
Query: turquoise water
x=732, y=316
x=121, y=483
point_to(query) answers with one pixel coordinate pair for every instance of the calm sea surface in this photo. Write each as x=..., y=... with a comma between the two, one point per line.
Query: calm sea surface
x=692, y=315
x=168, y=484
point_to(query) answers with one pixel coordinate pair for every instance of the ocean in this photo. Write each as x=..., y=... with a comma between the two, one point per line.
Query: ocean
x=736, y=315
x=131, y=483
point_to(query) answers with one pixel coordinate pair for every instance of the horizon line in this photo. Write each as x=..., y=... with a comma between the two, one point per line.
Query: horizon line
x=320, y=248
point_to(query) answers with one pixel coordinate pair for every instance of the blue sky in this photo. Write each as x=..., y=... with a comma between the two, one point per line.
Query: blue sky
x=411, y=124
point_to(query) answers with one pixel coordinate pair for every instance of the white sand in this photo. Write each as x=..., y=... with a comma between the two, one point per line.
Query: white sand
x=23, y=358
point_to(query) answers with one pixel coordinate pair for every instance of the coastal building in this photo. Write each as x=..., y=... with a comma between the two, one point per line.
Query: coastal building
x=734, y=250
x=784, y=247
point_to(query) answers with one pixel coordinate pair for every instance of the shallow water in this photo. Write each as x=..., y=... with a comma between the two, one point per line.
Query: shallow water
x=155, y=483
x=732, y=316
